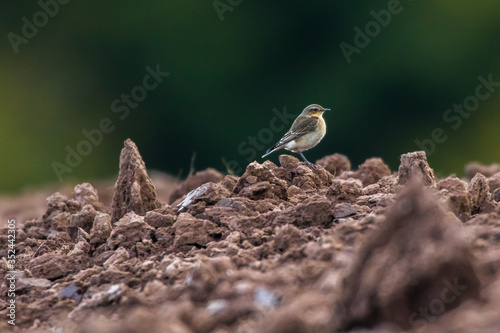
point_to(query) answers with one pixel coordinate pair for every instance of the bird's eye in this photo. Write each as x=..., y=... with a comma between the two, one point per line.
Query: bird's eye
x=314, y=109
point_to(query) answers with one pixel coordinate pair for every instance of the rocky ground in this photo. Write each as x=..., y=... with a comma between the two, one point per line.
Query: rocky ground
x=279, y=249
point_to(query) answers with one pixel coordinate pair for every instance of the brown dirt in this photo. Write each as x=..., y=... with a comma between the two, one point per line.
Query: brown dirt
x=279, y=249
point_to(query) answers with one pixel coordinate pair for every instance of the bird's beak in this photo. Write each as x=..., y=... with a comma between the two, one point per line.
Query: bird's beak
x=326, y=110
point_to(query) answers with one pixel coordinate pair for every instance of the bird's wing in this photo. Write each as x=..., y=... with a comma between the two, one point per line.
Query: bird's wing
x=300, y=127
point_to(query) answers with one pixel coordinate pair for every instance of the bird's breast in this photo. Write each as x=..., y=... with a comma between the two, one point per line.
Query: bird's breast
x=309, y=140
x=321, y=127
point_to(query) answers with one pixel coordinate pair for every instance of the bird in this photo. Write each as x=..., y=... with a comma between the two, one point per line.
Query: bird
x=306, y=132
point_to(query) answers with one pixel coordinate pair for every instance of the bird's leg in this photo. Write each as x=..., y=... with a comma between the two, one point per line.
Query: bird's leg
x=309, y=164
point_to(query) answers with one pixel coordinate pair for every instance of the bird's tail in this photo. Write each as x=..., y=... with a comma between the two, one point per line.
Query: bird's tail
x=272, y=150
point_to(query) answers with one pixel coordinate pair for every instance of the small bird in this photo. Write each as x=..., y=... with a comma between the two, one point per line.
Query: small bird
x=306, y=132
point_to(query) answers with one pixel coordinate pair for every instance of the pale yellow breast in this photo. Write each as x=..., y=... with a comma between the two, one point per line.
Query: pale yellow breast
x=322, y=127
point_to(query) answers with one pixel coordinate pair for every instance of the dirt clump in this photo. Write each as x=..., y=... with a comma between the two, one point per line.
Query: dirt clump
x=335, y=164
x=396, y=273
x=52, y=267
x=101, y=229
x=415, y=168
x=473, y=168
x=192, y=232
x=195, y=181
x=455, y=193
x=129, y=230
x=370, y=172
x=480, y=195
x=134, y=190
x=283, y=248
x=260, y=181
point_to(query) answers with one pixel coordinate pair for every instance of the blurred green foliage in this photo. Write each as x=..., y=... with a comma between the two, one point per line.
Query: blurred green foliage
x=226, y=77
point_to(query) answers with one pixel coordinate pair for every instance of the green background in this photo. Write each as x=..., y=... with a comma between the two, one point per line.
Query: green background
x=226, y=77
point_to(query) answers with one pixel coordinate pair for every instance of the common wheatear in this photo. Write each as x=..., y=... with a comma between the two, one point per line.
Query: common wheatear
x=306, y=132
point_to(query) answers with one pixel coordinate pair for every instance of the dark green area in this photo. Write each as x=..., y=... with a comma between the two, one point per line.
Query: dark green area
x=226, y=77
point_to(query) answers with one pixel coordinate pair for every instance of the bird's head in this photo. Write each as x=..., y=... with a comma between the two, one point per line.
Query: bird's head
x=314, y=110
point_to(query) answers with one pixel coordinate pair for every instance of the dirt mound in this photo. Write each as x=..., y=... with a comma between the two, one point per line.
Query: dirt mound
x=404, y=266
x=280, y=249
